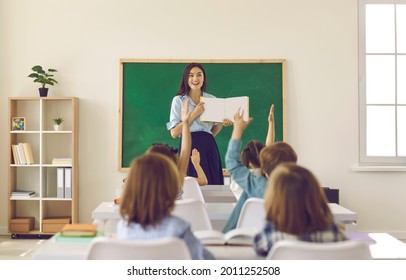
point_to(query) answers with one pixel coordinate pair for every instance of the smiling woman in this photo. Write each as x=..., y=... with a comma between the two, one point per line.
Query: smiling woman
x=192, y=87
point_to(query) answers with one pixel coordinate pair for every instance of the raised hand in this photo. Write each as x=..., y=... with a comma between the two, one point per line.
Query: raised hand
x=239, y=124
x=185, y=111
x=270, y=136
x=195, y=157
x=271, y=115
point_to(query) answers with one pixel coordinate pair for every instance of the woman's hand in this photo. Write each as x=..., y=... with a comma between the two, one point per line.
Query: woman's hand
x=227, y=122
x=199, y=109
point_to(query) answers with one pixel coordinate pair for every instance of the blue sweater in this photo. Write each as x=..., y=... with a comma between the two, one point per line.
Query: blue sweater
x=253, y=186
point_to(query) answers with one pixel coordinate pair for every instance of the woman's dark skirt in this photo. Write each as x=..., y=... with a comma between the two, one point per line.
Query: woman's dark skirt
x=210, y=159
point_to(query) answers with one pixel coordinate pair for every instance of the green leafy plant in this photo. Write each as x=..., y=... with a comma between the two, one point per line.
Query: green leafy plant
x=58, y=120
x=43, y=77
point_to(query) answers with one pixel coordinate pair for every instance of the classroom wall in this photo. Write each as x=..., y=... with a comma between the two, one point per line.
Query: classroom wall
x=84, y=40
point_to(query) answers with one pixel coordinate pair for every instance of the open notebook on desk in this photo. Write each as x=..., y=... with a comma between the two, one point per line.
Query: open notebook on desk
x=239, y=236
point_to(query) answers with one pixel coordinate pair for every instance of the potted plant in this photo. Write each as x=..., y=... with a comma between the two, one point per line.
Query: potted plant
x=44, y=78
x=58, y=124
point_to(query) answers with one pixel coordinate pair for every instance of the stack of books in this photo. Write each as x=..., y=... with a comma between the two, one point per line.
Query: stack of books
x=80, y=230
x=22, y=153
x=22, y=194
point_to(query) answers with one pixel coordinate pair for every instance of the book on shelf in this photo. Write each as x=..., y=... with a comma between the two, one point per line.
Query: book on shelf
x=15, y=155
x=238, y=236
x=28, y=153
x=219, y=109
x=62, y=161
x=67, y=182
x=22, y=153
x=21, y=194
x=79, y=230
x=60, y=182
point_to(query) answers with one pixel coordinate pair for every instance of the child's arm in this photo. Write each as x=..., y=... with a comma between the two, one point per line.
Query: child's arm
x=252, y=185
x=201, y=176
x=186, y=142
x=270, y=137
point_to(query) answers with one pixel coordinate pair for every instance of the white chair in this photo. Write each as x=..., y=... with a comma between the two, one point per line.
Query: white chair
x=194, y=212
x=191, y=189
x=170, y=248
x=252, y=214
x=301, y=250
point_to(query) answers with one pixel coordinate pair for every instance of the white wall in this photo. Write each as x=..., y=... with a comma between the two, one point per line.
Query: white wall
x=84, y=40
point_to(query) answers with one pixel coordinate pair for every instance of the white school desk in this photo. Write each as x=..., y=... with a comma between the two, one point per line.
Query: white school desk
x=218, y=193
x=218, y=214
x=108, y=212
x=386, y=248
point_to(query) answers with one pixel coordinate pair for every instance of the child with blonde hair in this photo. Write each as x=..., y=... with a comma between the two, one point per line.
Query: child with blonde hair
x=296, y=208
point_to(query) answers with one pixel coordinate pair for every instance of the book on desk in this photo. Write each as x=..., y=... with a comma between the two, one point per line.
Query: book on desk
x=238, y=236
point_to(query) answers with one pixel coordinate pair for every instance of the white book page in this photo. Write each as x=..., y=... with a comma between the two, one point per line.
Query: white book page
x=210, y=236
x=213, y=109
x=240, y=236
x=233, y=103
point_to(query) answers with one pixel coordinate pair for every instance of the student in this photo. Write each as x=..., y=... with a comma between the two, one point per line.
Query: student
x=147, y=203
x=192, y=87
x=296, y=208
x=181, y=160
x=253, y=186
x=201, y=176
x=250, y=153
x=250, y=159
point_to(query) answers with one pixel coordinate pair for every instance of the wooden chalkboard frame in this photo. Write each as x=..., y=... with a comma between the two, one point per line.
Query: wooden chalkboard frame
x=283, y=114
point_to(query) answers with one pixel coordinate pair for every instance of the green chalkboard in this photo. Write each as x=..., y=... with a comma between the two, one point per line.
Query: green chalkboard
x=148, y=87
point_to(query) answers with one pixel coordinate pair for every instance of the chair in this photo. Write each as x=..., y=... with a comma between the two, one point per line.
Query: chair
x=191, y=189
x=301, y=250
x=252, y=214
x=170, y=248
x=194, y=212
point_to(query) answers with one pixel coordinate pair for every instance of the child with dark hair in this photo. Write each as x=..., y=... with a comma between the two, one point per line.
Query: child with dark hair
x=253, y=186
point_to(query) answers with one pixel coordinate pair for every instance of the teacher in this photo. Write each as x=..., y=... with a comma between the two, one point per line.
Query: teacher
x=192, y=87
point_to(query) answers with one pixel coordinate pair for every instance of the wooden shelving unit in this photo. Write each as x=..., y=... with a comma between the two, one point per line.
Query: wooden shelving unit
x=46, y=144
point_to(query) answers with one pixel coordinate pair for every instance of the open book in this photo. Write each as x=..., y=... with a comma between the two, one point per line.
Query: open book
x=219, y=109
x=238, y=236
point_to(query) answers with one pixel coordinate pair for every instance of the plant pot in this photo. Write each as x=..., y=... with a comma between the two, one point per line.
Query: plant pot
x=43, y=92
x=58, y=127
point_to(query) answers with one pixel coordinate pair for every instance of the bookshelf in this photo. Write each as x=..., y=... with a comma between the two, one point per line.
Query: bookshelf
x=41, y=176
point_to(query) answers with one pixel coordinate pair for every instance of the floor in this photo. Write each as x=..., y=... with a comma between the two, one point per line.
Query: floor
x=18, y=249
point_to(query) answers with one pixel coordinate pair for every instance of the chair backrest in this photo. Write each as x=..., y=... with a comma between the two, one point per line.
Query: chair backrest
x=194, y=212
x=169, y=248
x=301, y=250
x=252, y=214
x=191, y=189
